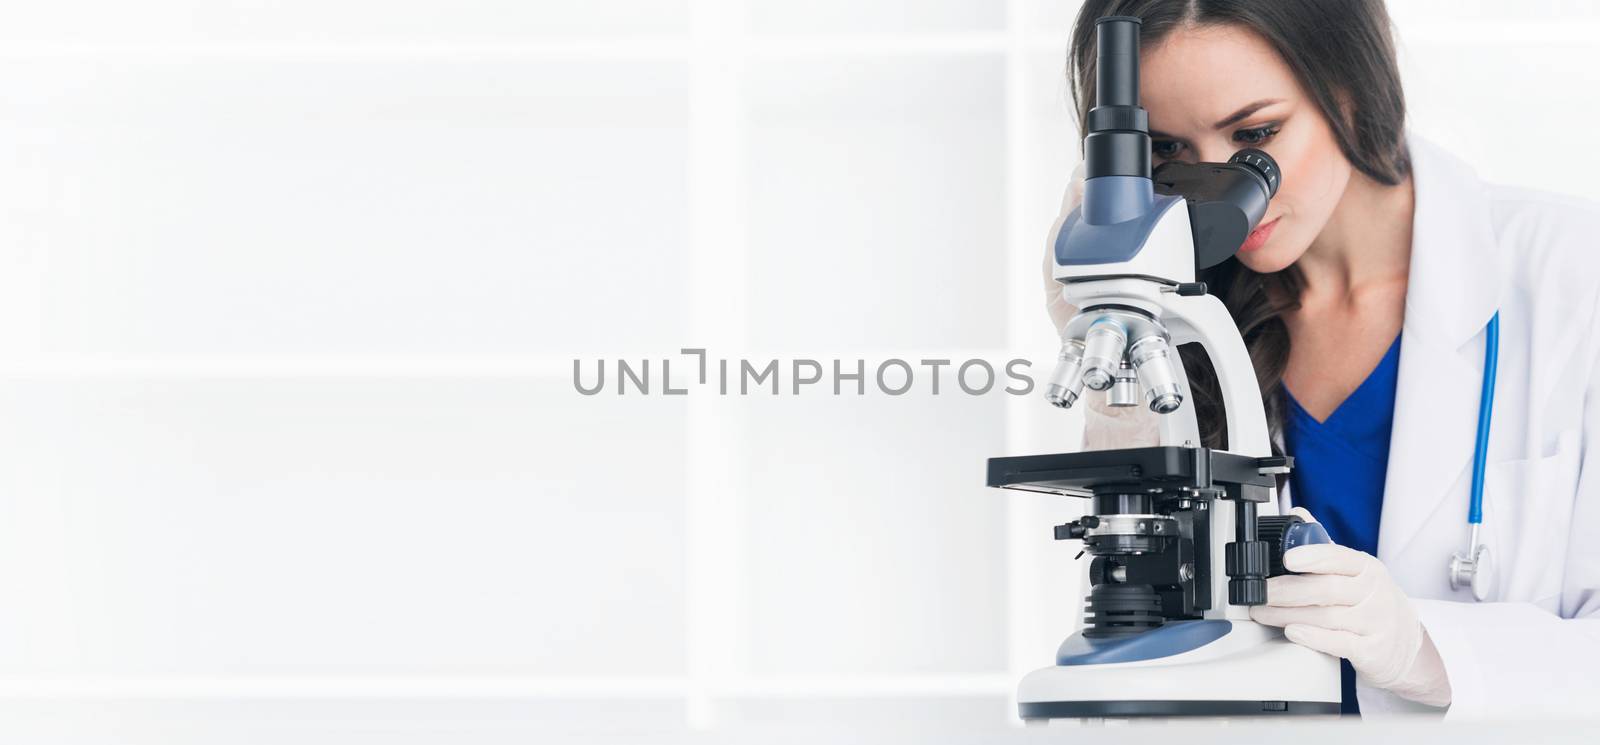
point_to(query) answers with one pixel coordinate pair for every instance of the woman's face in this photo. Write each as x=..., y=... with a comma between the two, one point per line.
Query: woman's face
x=1213, y=90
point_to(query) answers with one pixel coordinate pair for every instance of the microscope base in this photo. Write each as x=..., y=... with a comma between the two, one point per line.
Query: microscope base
x=1251, y=670
x=1141, y=709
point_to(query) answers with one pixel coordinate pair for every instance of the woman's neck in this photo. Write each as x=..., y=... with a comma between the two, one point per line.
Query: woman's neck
x=1366, y=243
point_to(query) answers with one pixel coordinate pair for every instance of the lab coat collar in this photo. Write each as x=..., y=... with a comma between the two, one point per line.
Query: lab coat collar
x=1453, y=289
x=1454, y=286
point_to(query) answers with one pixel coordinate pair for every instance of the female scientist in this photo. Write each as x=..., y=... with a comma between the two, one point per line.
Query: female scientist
x=1365, y=298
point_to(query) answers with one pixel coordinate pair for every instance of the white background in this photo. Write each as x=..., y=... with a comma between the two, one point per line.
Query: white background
x=290, y=294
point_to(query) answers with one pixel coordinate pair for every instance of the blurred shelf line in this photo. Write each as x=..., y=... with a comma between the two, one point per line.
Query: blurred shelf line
x=641, y=48
x=294, y=367
x=656, y=47
x=866, y=686
x=317, y=686
x=446, y=366
x=488, y=686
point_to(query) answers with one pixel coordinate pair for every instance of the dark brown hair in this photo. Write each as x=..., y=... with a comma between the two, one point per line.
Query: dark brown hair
x=1342, y=53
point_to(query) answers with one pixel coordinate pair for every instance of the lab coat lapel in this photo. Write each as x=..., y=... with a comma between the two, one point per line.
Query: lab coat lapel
x=1452, y=291
x=1430, y=447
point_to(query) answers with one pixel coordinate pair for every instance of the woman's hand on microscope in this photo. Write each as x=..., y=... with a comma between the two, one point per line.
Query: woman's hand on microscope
x=1343, y=602
x=1060, y=310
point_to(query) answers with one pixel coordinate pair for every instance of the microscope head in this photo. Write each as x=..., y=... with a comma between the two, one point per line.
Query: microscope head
x=1138, y=234
x=1125, y=225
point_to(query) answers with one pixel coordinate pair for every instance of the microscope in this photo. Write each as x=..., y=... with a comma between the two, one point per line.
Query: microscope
x=1181, y=538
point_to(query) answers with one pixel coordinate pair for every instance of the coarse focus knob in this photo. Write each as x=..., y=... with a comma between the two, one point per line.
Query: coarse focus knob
x=1247, y=591
x=1246, y=565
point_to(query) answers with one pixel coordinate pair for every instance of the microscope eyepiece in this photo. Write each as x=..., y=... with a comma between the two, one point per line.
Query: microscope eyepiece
x=1117, y=61
x=1262, y=164
x=1117, y=142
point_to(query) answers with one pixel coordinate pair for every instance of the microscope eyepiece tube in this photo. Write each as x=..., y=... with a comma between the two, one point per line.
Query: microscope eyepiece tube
x=1104, y=346
x=1117, y=61
x=1117, y=140
x=1066, y=381
x=1151, y=358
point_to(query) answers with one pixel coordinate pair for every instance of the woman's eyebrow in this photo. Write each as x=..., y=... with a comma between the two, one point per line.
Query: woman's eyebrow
x=1247, y=110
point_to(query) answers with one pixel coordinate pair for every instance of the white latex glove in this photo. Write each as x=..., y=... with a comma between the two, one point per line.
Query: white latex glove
x=1344, y=603
x=1060, y=310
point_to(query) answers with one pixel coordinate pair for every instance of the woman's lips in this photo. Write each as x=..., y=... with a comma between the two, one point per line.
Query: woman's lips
x=1259, y=236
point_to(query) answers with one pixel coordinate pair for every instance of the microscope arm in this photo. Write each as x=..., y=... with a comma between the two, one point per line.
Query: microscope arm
x=1204, y=319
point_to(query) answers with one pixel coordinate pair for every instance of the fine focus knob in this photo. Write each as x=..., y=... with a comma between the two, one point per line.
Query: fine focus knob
x=1262, y=164
x=1283, y=532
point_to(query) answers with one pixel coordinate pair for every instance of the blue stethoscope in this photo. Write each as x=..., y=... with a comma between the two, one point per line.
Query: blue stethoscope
x=1471, y=569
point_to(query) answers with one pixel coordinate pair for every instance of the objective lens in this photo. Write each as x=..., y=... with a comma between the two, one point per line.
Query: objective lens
x=1151, y=357
x=1066, y=381
x=1125, y=390
x=1103, y=348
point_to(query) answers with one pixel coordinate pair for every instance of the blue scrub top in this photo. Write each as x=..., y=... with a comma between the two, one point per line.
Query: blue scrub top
x=1339, y=467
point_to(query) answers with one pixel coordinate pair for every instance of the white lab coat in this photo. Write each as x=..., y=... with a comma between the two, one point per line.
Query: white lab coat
x=1534, y=649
